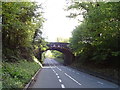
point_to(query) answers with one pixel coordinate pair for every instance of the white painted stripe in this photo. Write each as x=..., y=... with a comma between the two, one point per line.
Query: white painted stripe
x=62, y=86
x=54, y=71
x=58, y=77
x=60, y=80
x=59, y=69
x=73, y=79
x=56, y=74
x=99, y=82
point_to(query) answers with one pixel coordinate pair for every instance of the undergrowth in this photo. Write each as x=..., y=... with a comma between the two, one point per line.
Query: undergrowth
x=18, y=74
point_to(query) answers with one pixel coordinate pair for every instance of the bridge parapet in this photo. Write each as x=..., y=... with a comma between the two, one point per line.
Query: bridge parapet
x=58, y=45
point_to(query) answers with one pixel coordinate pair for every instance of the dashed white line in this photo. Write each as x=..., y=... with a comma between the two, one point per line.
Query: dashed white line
x=60, y=80
x=73, y=79
x=62, y=86
x=53, y=70
x=58, y=77
x=99, y=82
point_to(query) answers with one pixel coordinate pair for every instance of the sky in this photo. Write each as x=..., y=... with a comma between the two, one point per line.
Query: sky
x=57, y=24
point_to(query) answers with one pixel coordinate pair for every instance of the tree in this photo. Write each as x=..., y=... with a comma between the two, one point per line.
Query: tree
x=20, y=21
x=60, y=39
x=94, y=38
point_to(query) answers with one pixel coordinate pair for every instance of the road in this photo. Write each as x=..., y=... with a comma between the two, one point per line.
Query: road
x=55, y=75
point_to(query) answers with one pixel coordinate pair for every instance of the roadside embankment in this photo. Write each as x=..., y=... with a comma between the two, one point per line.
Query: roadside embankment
x=18, y=74
x=107, y=73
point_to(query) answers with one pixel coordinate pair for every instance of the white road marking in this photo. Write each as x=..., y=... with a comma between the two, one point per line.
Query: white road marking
x=54, y=71
x=62, y=86
x=99, y=82
x=59, y=69
x=60, y=80
x=73, y=79
x=58, y=77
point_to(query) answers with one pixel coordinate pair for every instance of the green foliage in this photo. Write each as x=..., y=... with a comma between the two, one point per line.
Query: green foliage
x=57, y=54
x=60, y=39
x=41, y=44
x=97, y=38
x=20, y=21
x=16, y=75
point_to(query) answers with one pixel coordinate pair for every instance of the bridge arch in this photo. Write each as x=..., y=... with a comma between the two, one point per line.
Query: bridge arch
x=61, y=47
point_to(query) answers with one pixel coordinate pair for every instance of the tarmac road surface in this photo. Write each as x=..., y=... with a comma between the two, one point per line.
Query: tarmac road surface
x=56, y=75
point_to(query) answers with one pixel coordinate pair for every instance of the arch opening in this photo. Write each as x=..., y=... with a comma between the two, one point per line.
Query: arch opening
x=61, y=47
x=68, y=56
x=53, y=54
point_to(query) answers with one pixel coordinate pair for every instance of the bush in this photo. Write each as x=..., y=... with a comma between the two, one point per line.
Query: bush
x=16, y=75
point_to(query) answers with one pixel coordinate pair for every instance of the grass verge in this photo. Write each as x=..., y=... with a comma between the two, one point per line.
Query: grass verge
x=18, y=74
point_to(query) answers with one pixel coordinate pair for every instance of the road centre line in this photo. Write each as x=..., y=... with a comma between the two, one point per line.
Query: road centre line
x=58, y=77
x=60, y=80
x=62, y=86
x=56, y=74
x=72, y=79
x=53, y=70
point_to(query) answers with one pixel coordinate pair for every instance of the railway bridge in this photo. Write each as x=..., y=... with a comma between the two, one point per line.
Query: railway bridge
x=61, y=47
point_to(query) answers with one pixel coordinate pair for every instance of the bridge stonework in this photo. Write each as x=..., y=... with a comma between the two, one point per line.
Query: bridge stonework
x=63, y=48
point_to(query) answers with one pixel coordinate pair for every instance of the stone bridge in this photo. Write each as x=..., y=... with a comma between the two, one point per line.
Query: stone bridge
x=63, y=48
